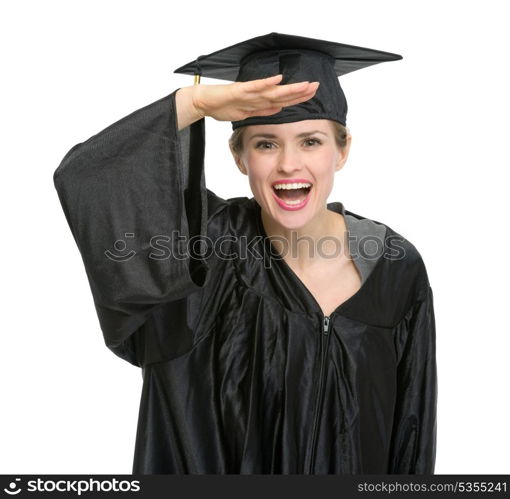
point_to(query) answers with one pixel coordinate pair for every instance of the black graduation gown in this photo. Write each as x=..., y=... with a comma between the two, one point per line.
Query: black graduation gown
x=242, y=373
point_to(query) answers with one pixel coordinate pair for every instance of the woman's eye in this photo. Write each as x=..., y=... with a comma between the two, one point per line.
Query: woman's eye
x=311, y=142
x=264, y=145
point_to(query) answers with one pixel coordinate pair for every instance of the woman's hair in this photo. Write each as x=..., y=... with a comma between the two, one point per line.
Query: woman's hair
x=236, y=139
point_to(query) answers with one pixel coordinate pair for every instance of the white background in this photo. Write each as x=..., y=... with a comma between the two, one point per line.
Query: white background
x=429, y=158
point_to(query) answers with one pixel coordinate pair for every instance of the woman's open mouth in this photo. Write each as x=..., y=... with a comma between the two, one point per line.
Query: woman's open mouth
x=292, y=195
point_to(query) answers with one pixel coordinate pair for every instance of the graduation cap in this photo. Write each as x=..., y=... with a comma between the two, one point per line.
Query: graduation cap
x=298, y=59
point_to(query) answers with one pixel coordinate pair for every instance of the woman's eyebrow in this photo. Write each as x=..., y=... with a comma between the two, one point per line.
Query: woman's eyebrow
x=273, y=136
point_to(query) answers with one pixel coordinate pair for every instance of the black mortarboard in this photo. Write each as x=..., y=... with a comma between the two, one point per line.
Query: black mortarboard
x=298, y=59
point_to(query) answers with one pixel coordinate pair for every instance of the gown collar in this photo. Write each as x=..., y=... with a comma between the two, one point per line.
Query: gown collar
x=366, y=245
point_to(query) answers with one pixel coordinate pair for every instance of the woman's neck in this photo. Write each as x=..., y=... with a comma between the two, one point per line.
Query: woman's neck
x=322, y=238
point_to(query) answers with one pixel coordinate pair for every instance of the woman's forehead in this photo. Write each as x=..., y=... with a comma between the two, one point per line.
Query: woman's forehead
x=290, y=129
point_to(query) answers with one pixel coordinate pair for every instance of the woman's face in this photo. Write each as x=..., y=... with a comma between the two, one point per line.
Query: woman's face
x=291, y=168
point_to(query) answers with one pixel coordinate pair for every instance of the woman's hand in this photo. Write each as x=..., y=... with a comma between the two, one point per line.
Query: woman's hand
x=240, y=100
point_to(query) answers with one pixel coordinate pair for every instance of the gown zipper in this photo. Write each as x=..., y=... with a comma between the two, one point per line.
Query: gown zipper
x=324, y=342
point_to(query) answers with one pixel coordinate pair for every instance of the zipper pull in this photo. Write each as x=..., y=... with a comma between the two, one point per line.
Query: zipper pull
x=326, y=324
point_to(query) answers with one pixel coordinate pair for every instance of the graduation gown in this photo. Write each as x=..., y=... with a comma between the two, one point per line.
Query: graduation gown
x=242, y=373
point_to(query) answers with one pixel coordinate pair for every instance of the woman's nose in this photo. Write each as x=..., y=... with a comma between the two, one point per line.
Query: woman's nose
x=289, y=160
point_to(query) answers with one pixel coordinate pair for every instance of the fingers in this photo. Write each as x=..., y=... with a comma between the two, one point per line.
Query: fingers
x=290, y=99
x=275, y=105
x=291, y=90
x=261, y=84
x=296, y=100
x=276, y=91
x=266, y=92
x=278, y=106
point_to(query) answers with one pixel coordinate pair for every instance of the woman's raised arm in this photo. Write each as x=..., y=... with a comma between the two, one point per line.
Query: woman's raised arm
x=239, y=100
x=134, y=191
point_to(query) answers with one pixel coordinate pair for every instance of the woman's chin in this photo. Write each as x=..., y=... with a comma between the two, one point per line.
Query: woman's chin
x=292, y=220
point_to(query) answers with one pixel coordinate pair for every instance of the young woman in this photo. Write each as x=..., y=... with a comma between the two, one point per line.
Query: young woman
x=271, y=340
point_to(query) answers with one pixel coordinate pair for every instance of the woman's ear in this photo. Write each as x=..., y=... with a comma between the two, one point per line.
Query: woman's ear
x=344, y=153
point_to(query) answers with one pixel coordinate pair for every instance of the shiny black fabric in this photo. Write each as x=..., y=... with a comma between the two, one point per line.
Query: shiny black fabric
x=241, y=371
x=297, y=65
x=298, y=59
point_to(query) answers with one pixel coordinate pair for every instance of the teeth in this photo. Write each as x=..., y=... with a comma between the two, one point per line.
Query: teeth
x=296, y=201
x=292, y=186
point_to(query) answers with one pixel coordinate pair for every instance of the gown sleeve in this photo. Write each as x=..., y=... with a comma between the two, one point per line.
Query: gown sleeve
x=127, y=192
x=413, y=442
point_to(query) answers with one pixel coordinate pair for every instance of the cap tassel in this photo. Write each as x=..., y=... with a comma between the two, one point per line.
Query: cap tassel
x=198, y=71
